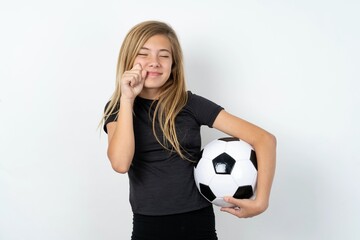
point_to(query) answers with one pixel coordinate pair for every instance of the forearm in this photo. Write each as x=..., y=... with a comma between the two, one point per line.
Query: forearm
x=266, y=158
x=121, y=141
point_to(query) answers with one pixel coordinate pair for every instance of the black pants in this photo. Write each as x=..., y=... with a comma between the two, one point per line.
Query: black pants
x=195, y=225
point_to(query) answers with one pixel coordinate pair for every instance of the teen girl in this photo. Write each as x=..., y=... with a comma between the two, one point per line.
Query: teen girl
x=153, y=126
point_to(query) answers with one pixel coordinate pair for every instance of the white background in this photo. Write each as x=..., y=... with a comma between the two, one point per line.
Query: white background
x=291, y=67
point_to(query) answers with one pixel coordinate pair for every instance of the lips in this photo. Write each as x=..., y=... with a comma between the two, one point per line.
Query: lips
x=153, y=74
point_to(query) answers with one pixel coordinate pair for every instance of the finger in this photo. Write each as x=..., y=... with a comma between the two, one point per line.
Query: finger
x=137, y=66
x=143, y=74
x=134, y=81
x=237, y=202
x=234, y=211
x=129, y=79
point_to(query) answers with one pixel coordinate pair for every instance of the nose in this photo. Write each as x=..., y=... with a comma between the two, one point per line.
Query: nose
x=154, y=62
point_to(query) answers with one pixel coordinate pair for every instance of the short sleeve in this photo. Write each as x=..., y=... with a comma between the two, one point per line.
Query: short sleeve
x=203, y=109
x=112, y=117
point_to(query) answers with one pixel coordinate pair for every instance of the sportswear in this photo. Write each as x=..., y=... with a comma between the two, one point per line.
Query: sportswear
x=194, y=225
x=161, y=183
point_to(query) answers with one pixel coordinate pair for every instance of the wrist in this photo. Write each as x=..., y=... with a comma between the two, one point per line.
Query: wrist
x=125, y=100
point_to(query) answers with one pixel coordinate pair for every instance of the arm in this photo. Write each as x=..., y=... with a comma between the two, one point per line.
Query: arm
x=121, y=140
x=264, y=144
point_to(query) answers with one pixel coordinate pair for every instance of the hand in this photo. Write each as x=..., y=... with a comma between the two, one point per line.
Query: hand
x=244, y=208
x=132, y=82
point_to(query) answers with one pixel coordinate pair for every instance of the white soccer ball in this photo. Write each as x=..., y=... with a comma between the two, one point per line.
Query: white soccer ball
x=227, y=167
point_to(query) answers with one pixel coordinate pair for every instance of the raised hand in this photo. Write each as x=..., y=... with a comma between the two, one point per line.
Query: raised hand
x=132, y=82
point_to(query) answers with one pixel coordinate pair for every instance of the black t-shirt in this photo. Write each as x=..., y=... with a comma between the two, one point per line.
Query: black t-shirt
x=161, y=182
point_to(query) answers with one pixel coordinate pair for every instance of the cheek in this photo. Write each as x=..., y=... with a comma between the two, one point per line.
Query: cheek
x=168, y=70
x=139, y=60
x=168, y=66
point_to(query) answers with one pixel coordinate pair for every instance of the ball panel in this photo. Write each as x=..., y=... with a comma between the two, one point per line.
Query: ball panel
x=204, y=172
x=253, y=159
x=244, y=173
x=239, y=150
x=223, y=185
x=213, y=149
x=223, y=164
x=229, y=139
x=206, y=192
x=244, y=192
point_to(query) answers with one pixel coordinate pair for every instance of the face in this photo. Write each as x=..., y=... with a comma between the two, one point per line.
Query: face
x=155, y=57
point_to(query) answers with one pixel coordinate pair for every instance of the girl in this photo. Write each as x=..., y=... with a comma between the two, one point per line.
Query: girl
x=153, y=126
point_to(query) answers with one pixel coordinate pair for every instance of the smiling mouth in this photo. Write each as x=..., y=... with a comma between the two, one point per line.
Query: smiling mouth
x=153, y=74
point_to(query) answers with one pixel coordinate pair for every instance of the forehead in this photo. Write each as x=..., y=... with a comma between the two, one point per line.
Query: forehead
x=158, y=42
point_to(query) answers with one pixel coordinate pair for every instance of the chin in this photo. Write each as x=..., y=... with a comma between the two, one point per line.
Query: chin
x=153, y=85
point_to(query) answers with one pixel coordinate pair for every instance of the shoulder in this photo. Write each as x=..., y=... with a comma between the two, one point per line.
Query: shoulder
x=195, y=100
x=110, y=113
x=203, y=109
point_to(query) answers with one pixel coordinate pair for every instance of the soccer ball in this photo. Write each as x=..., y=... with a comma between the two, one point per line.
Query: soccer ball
x=227, y=167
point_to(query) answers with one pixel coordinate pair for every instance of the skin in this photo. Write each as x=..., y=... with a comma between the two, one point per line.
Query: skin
x=264, y=145
x=152, y=68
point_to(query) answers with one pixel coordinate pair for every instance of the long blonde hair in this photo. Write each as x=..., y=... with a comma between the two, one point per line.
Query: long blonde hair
x=173, y=95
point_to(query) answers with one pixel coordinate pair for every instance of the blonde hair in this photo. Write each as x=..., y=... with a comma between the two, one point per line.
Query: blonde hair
x=173, y=95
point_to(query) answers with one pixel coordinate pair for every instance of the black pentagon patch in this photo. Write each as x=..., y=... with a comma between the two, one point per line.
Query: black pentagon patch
x=244, y=192
x=253, y=159
x=206, y=191
x=228, y=139
x=223, y=164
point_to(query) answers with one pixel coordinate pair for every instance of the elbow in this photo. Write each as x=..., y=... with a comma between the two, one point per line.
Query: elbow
x=268, y=139
x=119, y=164
x=272, y=140
x=120, y=169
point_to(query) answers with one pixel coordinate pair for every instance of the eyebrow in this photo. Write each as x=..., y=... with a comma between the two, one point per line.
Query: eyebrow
x=160, y=50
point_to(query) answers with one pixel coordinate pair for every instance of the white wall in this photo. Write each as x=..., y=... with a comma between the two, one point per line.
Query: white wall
x=288, y=66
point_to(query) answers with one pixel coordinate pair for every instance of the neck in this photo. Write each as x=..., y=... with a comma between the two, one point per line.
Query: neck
x=152, y=94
